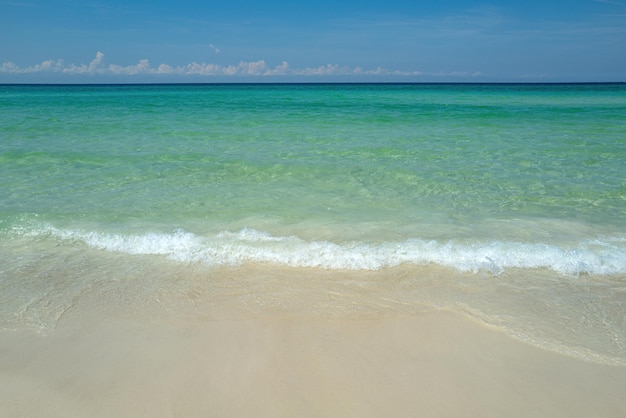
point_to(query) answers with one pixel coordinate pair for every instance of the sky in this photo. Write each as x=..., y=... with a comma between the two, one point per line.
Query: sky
x=91, y=41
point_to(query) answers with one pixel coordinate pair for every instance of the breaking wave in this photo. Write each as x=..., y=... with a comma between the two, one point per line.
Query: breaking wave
x=593, y=257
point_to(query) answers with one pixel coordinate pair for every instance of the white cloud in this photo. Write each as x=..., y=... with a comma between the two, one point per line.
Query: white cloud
x=9, y=68
x=245, y=68
x=165, y=69
x=143, y=67
x=94, y=67
x=282, y=69
x=96, y=63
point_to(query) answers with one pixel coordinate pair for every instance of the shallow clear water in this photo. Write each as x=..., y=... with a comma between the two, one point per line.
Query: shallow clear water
x=513, y=197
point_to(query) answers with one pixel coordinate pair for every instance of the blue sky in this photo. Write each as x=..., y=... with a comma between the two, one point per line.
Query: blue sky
x=245, y=40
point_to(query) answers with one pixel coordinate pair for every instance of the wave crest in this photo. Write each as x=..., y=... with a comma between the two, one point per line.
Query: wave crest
x=595, y=257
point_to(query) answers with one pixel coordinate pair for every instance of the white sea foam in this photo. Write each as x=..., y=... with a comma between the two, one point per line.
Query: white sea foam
x=595, y=257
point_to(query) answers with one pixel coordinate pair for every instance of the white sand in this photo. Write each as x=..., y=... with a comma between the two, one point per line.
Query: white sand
x=286, y=365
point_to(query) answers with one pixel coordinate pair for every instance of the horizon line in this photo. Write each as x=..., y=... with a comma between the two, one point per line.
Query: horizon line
x=217, y=83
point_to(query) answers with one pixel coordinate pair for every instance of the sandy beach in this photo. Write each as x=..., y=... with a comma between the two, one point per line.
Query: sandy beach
x=431, y=364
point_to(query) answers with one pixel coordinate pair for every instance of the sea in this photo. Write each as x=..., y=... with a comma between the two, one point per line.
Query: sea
x=502, y=202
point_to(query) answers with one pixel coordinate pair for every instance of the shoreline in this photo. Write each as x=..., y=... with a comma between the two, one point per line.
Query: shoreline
x=280, y=364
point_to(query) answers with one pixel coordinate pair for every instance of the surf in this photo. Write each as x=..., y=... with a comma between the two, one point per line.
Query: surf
x=599, y=256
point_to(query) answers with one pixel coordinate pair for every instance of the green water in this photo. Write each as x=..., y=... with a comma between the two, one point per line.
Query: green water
x=179, y=154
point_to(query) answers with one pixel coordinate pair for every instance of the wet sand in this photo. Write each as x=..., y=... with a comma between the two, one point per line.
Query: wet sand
x=284, y=365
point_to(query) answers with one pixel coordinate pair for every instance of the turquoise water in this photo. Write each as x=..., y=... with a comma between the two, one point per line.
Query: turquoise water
x=512, y=189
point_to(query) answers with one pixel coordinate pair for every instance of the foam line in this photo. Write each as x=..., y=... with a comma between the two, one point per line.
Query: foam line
x=595, y=257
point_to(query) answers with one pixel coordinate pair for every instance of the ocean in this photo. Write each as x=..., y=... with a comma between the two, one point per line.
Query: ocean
x=504, y=202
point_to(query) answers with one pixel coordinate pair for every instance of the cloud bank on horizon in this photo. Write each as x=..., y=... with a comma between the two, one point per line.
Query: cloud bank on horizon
x=256, y=68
